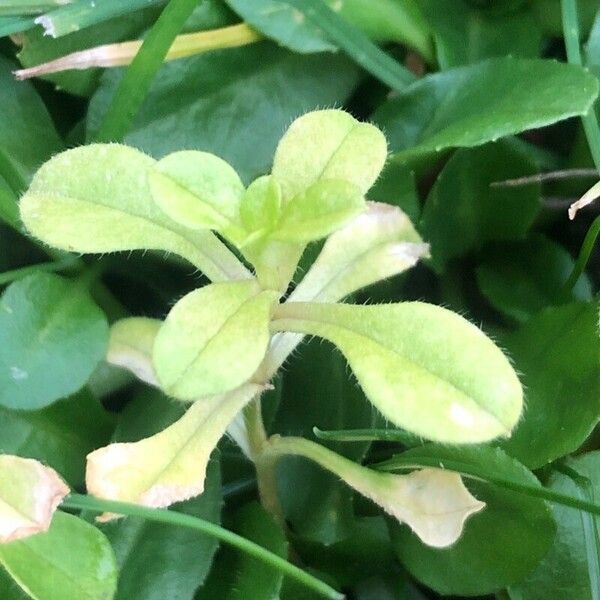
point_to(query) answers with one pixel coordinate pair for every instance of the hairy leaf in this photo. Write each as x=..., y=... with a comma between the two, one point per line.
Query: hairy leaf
x=425, y=368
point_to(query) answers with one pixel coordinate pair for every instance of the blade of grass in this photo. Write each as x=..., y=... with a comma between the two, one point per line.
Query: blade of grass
x=85, y=13
x=81, y=502
x=587, y=248
x=355, y=44
x=10, y=25
x=590, y=531
x=29, y=7
x=121, y=54
x=369, y=435
x=139, y=76
x=398, y=463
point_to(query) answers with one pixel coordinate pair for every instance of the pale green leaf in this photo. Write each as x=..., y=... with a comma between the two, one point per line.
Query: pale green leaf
x=379, y=243
x=425, y=368
x=328, y=144
x=96, y=198
x=261, y=204
x=197, y=190
x=319, y=210
x=213, y=340
x=434, y=503
x=29, y=495
x=71, y=561
x=170, y=466
x=130, y=346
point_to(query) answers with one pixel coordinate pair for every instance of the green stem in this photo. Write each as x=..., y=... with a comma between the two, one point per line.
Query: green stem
x=266, y=476
x=63, y=264
x=571, y=35
x=10, y=25
x=158, y=515
x=584, y=255
x=355, y=43
x=28, y=7
x=369, y=435
x=139, y=76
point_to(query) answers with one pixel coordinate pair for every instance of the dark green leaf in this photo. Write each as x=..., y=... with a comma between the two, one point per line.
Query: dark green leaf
x=60, y=436
x=237, y=576
x=557, y=354
x=52, y=336
x=522, y=278
x=220, y=101
x=564, y=573
x=463, y=211
x=318, y=391
x=504, y=96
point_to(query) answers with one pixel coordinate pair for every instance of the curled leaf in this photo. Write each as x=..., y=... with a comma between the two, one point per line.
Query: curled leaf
x=29, y=495
x=213, y=340
x=170, y=466
x=434, y=503
x=377, y=244
x=328, y=144
x=130, y=346
x=425, y=368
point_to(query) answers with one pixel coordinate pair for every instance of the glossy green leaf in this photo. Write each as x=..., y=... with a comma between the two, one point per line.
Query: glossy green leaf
x=504, y=96
x=564, y=573
x=72, y=561
x=260, y=88
x=379, y=243
x=516, y=33
x=150, y=557
x=52, y=336
x=197, y=190
x=237, y=576
x=557, y=352
x=425, y=368
x=328, y=144
x=464, y=211
x=321, y=209
x=521, y=278
x=27, y=135
x=96, y=199
x=213, y=340
x=59, y=436
x=500, y=545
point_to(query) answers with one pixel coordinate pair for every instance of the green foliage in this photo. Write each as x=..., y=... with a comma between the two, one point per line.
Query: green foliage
x=343, y=170
x=52, y=336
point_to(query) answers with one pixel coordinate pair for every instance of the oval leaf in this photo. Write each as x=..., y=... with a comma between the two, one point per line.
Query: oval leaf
x=71, y=561
x=328, y=144
x=319, y=210
x=213, y=340
x=52, y=336
x=96, y=198
x=197, y=189
x=425, y=368
x=29, y=495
